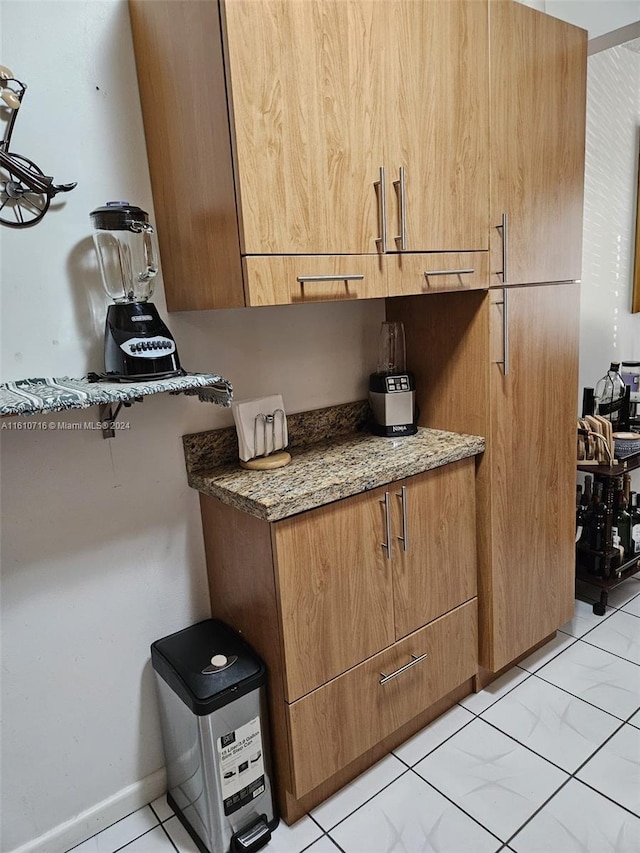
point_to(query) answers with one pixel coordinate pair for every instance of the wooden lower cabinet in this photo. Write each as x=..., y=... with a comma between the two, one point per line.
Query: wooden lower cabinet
x=336, y=723
x=329, y=608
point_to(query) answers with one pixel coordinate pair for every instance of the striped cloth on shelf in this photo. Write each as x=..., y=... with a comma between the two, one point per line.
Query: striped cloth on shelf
x=33, y=396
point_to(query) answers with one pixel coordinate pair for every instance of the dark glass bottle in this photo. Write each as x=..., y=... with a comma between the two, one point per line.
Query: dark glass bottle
x=623, y=522
x=635, y=525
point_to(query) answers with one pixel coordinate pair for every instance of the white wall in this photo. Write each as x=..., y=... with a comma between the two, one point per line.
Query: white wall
x=608, y=330
x=596, y=16
x=101, y=541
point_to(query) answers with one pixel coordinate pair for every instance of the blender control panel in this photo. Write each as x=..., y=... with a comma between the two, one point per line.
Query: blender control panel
x=397, y=383
x=155, y=347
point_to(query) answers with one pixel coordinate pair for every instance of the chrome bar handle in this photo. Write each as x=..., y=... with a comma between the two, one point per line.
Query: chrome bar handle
x=505, y=331
x=405, y=527
x=387, y=524
x=427, y=273
x=505, y=328
x=305, y=279
x=414, y=660
x=505, y=247
x=382, y=208
x=401, y=191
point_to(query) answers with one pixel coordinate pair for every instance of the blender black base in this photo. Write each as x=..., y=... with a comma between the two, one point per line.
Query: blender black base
x=393, y=431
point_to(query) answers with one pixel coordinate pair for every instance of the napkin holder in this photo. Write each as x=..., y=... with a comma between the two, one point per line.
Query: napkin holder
x=261, y=425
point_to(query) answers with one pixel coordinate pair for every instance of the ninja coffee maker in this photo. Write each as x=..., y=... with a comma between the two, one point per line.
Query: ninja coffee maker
x=137, y=344
x=392, y=395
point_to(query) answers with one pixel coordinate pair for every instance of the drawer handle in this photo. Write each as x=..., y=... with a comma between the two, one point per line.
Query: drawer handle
x=414, y=660
x=428, y=273
x=305, y=279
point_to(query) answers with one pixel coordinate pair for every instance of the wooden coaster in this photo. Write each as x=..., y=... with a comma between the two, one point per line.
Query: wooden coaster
x=267, y=463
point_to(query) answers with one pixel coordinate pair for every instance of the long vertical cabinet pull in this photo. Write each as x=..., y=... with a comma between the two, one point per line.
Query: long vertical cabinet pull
x=504, y=225
x=505, y=331
x=387, y=524
x=405, y=527
x=401, y=191
x=381, y=189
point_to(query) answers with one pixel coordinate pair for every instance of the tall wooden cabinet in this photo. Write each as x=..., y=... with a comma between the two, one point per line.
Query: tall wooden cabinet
x=538, y=101
x=311, y=129
x=457, y=345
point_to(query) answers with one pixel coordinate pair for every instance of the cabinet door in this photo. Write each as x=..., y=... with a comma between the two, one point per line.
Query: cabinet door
x=528, y=487
x=538, y=91
x=434, y=559
x=306, y=96
x=335, y=589
x=437, y=124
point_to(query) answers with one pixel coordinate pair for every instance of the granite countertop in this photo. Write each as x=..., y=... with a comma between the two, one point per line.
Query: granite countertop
x=325, y=471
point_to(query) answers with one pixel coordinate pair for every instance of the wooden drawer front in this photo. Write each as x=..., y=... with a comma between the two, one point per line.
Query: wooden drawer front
x=448, y=271
x=275, y=280
x=343, y=719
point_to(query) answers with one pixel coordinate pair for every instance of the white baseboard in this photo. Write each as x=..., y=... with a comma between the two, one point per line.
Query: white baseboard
x=98, y=817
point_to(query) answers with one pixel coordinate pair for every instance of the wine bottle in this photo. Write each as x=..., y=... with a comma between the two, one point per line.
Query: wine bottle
x=597, y=531
x=635, y=526
x=623, y=523
x=609, y=393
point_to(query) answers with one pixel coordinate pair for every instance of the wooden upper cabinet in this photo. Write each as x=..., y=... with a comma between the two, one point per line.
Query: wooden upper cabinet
x=438, y=124
x=306, y=86
x=538, y=92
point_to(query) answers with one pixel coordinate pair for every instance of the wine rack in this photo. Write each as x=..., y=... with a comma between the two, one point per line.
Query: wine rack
x=603, y=569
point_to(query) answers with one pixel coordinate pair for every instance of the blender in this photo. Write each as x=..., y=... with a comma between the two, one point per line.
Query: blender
x=392, y=393
x=137, y=344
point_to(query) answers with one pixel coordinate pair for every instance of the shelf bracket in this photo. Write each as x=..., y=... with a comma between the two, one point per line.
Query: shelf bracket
x=108, y=415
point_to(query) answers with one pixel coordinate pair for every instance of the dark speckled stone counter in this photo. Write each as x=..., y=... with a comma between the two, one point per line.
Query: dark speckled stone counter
x=348, y=463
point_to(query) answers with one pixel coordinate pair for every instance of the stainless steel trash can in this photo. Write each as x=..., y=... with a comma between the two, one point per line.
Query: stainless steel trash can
x=212, y=691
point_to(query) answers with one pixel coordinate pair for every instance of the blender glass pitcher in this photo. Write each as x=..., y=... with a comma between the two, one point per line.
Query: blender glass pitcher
x=125, y=245
x=391, y=348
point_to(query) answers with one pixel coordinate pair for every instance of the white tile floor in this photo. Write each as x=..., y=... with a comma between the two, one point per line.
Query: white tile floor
x=545, y=760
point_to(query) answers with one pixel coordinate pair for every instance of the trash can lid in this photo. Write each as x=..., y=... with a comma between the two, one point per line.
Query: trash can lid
x=208, y=665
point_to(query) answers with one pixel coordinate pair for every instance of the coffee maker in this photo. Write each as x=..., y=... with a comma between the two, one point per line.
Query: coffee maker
x=137, y=344
x=392, y=395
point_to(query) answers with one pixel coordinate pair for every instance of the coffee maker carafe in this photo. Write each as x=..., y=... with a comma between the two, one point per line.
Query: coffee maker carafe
x=137, y=344
x=392, y=395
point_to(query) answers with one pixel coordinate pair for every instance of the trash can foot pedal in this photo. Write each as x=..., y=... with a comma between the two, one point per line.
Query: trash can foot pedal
x=252, y=837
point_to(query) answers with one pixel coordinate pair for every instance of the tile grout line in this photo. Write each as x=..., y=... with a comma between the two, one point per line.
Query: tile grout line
x=459, y=807
x=368, y=800
x=171, y=841
x=586, y=701
x=131, y=840
x=115, y=822
x=576, y=779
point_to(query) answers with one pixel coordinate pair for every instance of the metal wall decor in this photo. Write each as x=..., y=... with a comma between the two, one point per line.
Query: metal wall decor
x=25, y=191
